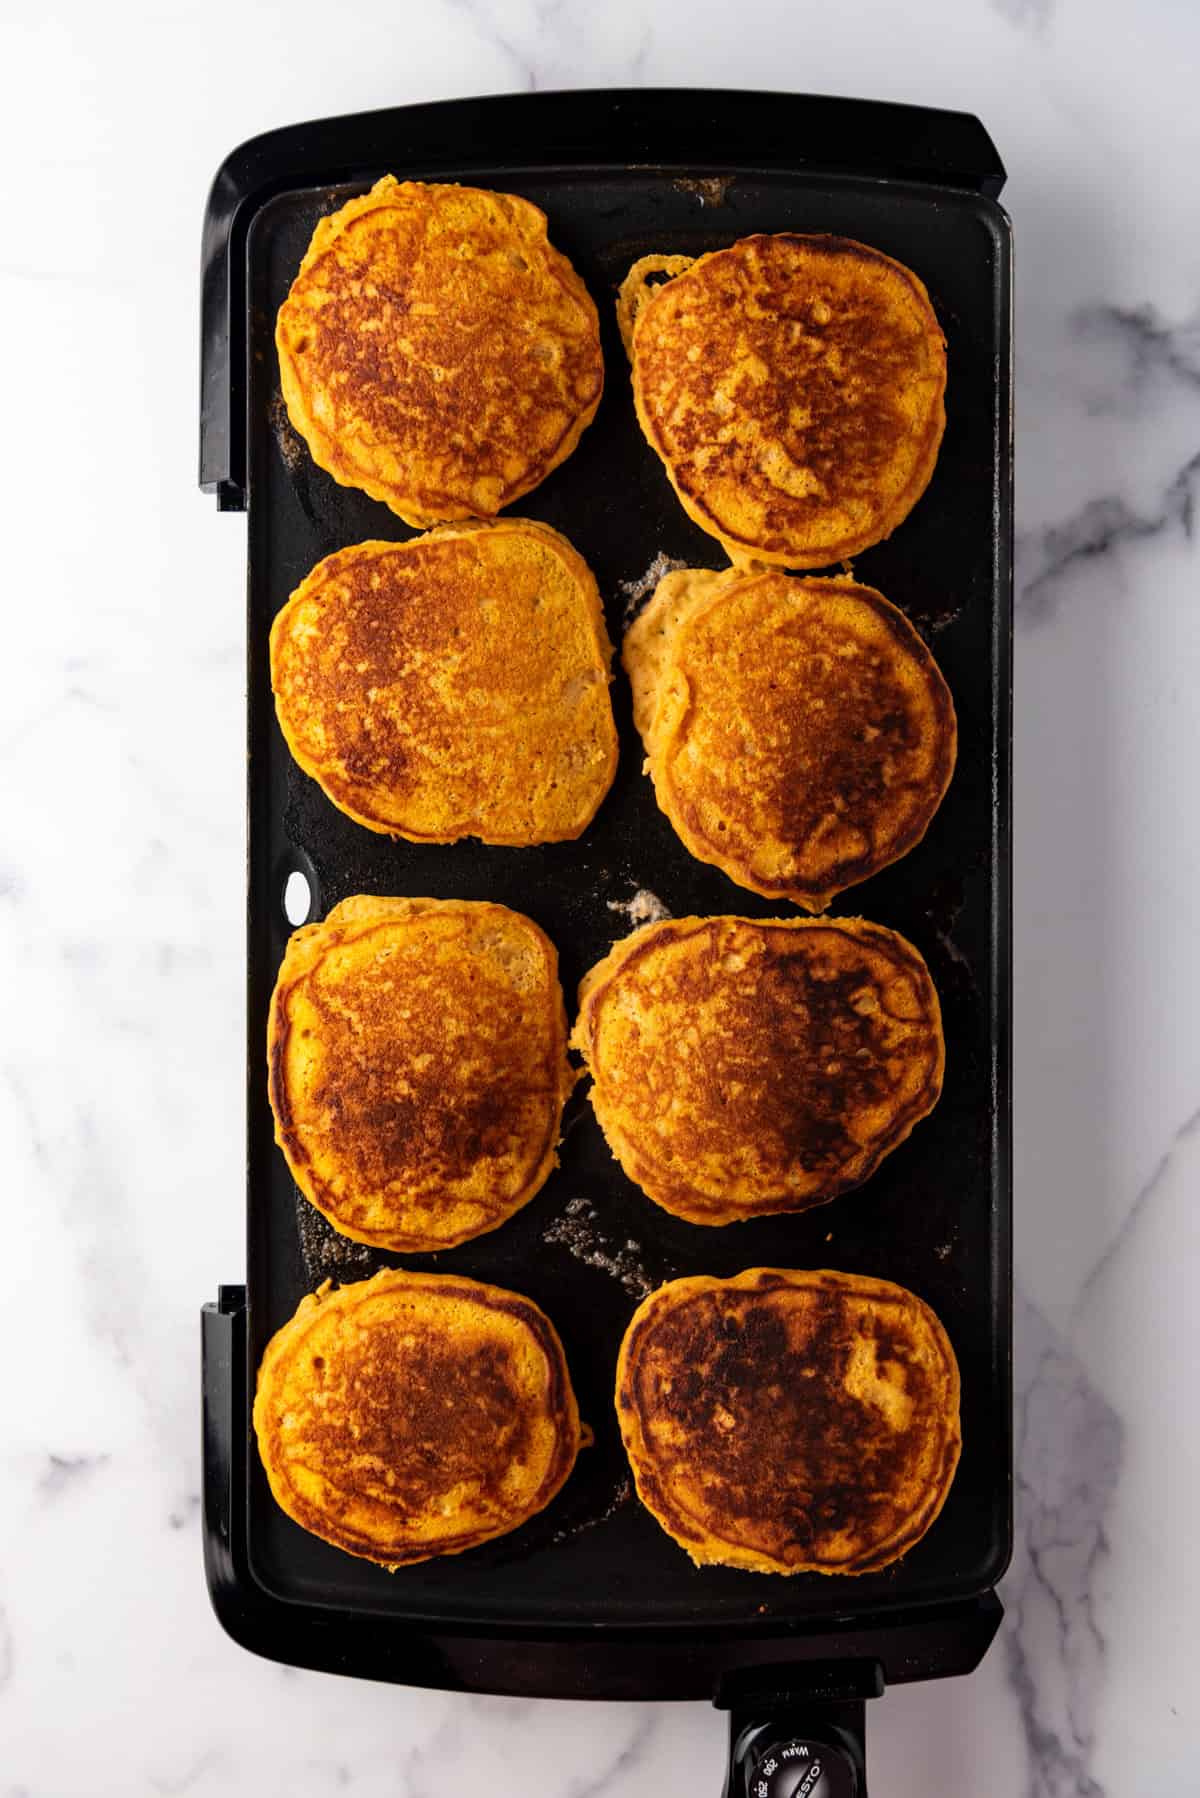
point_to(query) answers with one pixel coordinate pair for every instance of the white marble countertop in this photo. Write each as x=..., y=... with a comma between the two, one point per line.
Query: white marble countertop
x=121, y=869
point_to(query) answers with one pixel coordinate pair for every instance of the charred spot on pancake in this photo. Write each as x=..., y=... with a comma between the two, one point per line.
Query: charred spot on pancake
x=417, y=1067
x=790, y=1421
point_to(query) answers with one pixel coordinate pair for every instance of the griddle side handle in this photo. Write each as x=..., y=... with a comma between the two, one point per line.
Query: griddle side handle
x=223, y=1333
x=800, y=1747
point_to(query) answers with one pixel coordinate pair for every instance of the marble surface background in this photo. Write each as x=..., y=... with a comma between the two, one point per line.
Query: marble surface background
x=121, y=858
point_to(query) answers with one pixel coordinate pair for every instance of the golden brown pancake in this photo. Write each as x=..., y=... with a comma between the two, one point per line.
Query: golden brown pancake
x=437, y=351
x=790, y=1422
x=417, y=1067
x=793, y=387
x=743, y=1066
x=414, y=1415
x=799, y=734
x=454, y=685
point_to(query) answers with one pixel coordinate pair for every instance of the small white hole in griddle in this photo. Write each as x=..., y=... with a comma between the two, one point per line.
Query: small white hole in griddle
x=297, y=899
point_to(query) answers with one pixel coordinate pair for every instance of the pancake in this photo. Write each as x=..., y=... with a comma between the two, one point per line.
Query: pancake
x=454, y=685
x=745, y=1066
x=417, y=1067
x=436, y=350
x=414, y=1415
x=790, y=1422
x=793, y=387
x=799, y=734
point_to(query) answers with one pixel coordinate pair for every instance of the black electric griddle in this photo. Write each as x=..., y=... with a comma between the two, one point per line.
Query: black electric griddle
x=592, y=1599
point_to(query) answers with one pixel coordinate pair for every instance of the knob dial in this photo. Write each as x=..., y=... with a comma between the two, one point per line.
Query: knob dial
x=802, y=1767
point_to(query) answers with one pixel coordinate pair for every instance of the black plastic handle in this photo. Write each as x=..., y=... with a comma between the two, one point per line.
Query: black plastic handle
x=813, y=1751
x=799, y=1732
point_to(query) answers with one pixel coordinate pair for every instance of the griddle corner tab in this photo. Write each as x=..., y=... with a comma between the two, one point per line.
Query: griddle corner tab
x=222, y=1378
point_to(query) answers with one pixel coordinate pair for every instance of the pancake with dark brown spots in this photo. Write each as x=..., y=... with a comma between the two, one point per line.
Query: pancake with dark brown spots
x=743, y=1066
x=799, y=734
x=454, y=685
x=413, y=1415
x=790, y=1422
x=794, y=390
x=417, y=1067
x=437, y=351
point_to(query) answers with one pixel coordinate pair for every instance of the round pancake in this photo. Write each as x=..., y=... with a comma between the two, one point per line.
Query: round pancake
x=799, y=734
x=793, y=387
x=790, y=1422
x=454, y=685
x=436, y=350
x=744, y=1066
x=413, y=1415
x=417, y=1067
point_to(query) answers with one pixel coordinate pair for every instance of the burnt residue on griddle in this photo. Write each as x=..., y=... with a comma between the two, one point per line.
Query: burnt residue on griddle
x=621, y=1495
x=577, y=1230
x=637, y=591
x=710, y=190
x=644, y=907
x=932, y=619
x=947, y=898
x=286, y=439
x=328, y=1256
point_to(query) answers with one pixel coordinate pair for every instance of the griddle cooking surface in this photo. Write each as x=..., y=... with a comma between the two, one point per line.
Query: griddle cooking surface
x=935, y=1216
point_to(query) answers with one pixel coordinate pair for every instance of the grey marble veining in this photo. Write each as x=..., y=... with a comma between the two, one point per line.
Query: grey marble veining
x=1069, y=1450
x=121, y=869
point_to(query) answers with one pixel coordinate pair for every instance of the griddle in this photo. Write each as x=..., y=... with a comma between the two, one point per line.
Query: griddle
x=592, y=1599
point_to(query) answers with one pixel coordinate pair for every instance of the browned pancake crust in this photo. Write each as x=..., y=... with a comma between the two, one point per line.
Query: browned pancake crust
x=413, y=1415
x=454, y=685
x=790, y=1422
x=437, y=351
x=417, y=1067
x=743, y=1066
x=800, y=734
x=793, y=387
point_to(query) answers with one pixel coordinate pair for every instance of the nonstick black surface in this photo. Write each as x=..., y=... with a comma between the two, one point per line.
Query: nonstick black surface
x=935, y=1217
